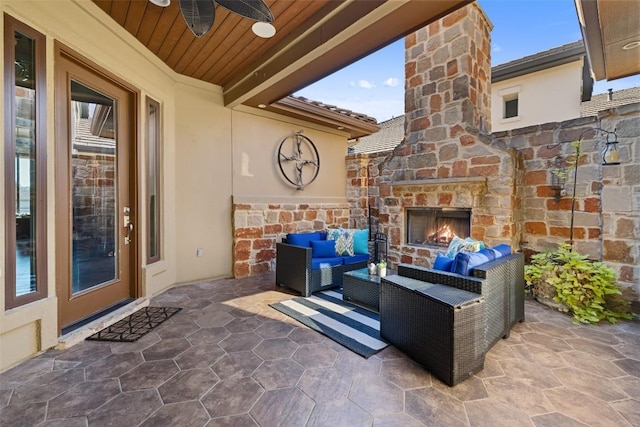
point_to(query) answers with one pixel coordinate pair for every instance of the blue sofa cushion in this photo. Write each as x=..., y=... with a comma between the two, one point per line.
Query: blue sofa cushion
x=354, y=259
x=465, y=262
x=503, y=248
x=323, y=249
x=361, y=241
x=303, y=239
x=442, y=263
x=318, y=263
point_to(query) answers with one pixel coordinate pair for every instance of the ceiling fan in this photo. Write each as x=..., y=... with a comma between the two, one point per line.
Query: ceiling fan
x=200, y=14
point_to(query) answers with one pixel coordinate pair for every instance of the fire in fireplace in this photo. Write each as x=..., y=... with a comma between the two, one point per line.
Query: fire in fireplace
x=436, y=226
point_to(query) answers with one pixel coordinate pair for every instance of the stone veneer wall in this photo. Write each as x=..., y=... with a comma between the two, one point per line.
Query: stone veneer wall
x=607, y=204
x=258, y=226
x=607, y=209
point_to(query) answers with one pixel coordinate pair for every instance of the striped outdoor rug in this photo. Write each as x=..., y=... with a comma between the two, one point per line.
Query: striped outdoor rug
x=353, y=327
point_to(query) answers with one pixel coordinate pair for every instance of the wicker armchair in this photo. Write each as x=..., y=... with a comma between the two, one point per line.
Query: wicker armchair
x=500, y=282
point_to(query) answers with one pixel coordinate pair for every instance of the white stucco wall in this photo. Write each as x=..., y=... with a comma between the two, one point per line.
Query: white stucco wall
x=257, y=135
x=201, y=142
x=545, y=96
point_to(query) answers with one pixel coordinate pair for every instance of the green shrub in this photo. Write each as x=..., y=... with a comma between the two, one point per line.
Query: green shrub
x=583, y=286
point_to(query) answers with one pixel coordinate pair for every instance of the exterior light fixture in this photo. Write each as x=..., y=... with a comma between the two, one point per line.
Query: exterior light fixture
x=610, y=154
x=263, y=29
x=631, y=45
x=262, y=105
x=161, y=3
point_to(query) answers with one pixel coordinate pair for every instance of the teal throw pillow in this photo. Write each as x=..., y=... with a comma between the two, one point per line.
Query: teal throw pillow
x=361, y=241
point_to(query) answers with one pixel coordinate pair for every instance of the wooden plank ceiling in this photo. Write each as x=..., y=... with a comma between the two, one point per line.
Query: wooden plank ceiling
x=227, y=49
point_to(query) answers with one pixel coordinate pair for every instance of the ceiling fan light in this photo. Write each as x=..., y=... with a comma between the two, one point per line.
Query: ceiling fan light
x=161, y=3
x=263, y=29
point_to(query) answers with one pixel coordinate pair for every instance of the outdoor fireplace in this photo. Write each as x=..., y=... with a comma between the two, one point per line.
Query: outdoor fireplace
x=436, y=226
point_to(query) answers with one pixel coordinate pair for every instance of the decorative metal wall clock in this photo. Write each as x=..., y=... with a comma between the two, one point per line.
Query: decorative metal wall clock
x=298, y=160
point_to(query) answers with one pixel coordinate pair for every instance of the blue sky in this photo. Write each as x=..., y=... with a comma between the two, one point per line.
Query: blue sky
x=375, y=84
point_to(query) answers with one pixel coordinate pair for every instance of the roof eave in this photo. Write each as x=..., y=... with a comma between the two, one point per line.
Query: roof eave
x=298, y=108
x=500, y=73
x=589, y=20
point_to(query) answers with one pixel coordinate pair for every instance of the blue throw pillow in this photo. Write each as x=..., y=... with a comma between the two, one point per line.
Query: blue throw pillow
x=503, y=248
x=442, y=263
x=303, y=239
x=323, y=248
x=361, y=242
x=465, y=262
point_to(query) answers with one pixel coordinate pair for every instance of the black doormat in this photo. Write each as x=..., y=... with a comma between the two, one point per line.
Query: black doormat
x=133, y=327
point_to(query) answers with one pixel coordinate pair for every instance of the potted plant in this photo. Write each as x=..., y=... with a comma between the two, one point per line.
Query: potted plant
x=569, y=281
x=382, y=268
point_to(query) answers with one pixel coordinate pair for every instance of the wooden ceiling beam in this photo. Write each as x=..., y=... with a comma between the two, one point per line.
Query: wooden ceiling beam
x=352, y=31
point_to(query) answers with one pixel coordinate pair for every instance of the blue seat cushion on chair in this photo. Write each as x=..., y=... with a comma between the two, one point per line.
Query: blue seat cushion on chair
x=464, y=262
x=318, y=263
x=355, y=258
x=503, y=248
x=442, y=263
x=303, y=239
x=323, y=249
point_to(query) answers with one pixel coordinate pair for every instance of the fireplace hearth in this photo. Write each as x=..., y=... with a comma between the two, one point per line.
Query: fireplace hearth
x=436, y=226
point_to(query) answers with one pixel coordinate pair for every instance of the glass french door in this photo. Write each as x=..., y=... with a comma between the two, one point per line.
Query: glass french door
x=99, y=224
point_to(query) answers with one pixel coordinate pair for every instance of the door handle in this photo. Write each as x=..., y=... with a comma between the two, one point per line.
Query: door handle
x=128, y=225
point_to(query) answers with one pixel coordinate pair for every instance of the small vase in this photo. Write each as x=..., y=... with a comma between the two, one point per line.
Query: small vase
x=372, y=268
x=382, y=272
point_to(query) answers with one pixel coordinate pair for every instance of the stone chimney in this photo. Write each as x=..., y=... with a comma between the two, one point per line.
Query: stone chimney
x=448, y=72
x=448, y=159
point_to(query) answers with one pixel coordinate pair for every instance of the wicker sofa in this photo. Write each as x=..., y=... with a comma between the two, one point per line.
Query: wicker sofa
x=448, y=321
x=297, y=269
x=500, y=282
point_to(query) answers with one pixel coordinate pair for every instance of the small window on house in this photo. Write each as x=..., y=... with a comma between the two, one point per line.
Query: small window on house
x=511, y=106
x=153, y=181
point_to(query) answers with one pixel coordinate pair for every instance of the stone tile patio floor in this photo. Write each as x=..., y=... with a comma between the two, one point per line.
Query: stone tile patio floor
x=228, y=359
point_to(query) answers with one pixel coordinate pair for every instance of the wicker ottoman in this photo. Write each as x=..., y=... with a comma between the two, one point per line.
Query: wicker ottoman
x=441, y=327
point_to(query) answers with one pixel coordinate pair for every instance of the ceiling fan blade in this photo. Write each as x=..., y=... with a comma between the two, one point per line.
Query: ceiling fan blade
x=199, y=15
x=252, y=9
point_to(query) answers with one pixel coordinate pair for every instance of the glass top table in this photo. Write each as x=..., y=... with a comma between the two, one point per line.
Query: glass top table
x=362, y=288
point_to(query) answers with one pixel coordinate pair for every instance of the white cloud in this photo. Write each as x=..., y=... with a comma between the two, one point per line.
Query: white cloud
x=496, y=47
x=365, y=84
x=391, y=82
